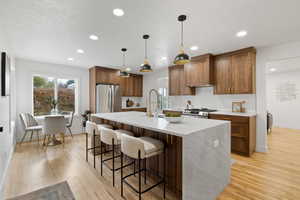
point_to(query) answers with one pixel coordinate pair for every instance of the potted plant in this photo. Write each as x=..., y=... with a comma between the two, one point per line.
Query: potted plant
x=53, y=104
x=86, y=116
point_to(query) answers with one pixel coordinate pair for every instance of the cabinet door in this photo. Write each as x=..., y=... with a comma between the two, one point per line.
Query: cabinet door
x=174, y=81
x=123, y=86
x=199, y=72
x=242, y=73
x=222, y=71
x=138, y=86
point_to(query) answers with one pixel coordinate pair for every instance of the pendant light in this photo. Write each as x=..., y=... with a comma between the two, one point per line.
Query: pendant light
x=146, y=67
x=124, y=73
x=182, y=58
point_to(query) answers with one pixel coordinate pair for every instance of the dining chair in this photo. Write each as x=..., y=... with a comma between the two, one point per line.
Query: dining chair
x=54, y=125
x=69, y=124
x=30, y=125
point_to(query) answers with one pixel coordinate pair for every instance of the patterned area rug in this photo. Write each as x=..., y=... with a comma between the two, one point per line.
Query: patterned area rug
x=60, y=191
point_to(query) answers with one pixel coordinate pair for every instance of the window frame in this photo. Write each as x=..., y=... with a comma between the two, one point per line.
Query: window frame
x=55, y=77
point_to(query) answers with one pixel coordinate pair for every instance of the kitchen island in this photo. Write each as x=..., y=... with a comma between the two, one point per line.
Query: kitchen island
x=198, y=151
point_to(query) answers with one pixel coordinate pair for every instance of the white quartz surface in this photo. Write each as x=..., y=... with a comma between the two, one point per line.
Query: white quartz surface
x=246, y=114
x=221, y=112
x=188, y=126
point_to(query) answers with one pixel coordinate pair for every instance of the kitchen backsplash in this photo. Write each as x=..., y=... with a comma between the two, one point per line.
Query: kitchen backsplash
x=205, y=98
x=135, y=100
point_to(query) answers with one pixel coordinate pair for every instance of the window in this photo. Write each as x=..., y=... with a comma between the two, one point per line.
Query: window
x=164, y=100
x=53, y=95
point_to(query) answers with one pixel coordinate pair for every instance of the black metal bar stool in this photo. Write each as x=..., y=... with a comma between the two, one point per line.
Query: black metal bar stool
x=93, y=130
x=140, y=149
x=113, y=138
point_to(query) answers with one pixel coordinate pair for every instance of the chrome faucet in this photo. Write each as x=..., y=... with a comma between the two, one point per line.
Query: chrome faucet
x=149, y=107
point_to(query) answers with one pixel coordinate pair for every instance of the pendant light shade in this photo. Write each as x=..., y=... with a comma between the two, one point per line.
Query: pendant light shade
x=124, y=73
x=182, y=58
x=146, y=66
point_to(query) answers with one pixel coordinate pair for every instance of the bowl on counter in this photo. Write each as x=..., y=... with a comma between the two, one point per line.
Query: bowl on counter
x=173, y=117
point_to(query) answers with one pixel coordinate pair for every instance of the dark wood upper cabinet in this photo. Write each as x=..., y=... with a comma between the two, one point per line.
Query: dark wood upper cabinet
x=222, y=70
x=235, y=72
x=177, y=80
x=132, y=86
x=199, y=72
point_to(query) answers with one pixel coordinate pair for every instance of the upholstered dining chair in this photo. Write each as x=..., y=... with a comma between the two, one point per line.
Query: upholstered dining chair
x=30, y=125
x=54, y=125
x=69, y=124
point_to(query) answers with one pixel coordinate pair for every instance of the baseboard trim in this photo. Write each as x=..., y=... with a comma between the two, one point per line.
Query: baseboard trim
x=262, y=149
x=2, y=182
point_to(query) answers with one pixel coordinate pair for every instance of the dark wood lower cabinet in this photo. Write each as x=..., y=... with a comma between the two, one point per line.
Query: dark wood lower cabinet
x=155, y=164
x=243, y=133
x=134, y=109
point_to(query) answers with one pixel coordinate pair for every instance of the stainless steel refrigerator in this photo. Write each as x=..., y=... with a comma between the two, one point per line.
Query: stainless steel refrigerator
x=108, y=98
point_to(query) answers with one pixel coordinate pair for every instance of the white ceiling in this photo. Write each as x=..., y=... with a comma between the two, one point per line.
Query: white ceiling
x=283, y=66
x=52, y=30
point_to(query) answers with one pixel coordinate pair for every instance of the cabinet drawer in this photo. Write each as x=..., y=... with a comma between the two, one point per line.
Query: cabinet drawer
x=239, y=145
x=237, y=119
x=239, y=130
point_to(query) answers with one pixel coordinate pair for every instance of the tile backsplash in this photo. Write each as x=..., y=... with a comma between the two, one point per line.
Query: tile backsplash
x=135, y=100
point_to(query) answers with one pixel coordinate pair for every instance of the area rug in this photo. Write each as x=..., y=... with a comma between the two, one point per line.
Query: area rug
x=60, y=191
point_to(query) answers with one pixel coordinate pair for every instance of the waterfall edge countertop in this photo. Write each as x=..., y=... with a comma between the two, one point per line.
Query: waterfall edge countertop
x=205, y=150
x=189, y=125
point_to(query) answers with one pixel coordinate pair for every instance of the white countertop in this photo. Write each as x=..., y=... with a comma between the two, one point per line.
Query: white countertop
x=221, y=112
x=188, y=126
x=246, y=114
x=133, y=107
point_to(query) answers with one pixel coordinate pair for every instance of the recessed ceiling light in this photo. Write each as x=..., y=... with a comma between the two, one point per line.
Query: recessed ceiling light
x=194, y=48
x=70, y=59
x=93, y=37
x=242, y=33
x=128, y=69
x=118, y=12
x=273, y=69
x=164, y=58
x=80, y=51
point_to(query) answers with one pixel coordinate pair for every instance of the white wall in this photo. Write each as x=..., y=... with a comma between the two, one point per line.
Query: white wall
x=284, y=107
x=264, y=56
x=7, y=117
x=25, y=70
x=204, y=96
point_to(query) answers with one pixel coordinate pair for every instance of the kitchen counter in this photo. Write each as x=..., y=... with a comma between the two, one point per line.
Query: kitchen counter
x=246, y=114
x=219, y=112
x=204, y=155
x=188, y=126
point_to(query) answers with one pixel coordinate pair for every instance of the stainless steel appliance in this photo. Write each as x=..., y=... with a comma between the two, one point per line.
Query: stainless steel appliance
x=200, y=113
x=108, y=98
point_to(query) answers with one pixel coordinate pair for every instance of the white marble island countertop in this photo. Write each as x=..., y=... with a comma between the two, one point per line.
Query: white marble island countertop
x=188, y=126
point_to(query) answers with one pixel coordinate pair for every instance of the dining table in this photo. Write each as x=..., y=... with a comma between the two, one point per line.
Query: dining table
x=41, y=120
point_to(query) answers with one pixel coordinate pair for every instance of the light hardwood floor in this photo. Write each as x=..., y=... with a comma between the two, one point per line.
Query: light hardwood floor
x=265, y=176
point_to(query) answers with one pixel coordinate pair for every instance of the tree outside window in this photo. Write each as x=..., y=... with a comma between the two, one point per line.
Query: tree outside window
x=53, y=93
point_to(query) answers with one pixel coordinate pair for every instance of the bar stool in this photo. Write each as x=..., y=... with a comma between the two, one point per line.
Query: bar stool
x=93, y=130
x=141, y=148
x=113, y=138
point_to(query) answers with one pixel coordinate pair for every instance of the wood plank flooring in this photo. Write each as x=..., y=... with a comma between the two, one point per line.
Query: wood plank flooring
x=265, y=176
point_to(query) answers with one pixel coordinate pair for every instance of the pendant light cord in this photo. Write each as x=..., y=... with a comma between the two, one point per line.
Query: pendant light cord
x=146, y=56
x=123, y=59
x=182, y=34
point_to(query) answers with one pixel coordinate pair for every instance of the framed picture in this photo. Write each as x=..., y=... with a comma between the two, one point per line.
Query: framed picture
x=5, y=75
x=236, y=106
x=239, y=106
